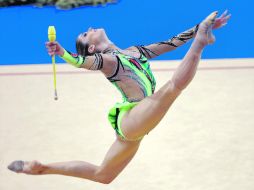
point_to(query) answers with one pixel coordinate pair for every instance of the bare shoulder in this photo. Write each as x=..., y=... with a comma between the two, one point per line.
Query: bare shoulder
x=132, y=51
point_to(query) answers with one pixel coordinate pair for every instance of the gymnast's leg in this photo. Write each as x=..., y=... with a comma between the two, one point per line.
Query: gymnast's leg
x=119, y=155
x=149, y=112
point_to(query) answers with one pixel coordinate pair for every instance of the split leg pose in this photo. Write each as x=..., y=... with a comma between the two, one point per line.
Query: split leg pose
x=135, y=122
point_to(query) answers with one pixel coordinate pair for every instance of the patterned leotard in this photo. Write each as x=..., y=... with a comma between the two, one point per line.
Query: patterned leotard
x=132, y=77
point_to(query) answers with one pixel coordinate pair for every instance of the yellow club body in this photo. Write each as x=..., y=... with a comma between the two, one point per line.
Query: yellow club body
x=52, y=33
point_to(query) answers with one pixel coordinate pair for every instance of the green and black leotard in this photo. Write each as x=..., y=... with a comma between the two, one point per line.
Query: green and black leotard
x=132, y=77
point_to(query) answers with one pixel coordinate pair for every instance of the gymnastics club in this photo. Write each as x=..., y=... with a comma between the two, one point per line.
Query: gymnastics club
x=52, y=38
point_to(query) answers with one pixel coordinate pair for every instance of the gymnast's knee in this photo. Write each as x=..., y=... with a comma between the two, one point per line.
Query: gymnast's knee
x=104, y=178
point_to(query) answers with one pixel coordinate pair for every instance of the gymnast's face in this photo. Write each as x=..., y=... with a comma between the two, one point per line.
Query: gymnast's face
x=93, y=37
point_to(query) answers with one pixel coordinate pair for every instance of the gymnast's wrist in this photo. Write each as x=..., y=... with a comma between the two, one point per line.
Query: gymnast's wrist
x=61, y=52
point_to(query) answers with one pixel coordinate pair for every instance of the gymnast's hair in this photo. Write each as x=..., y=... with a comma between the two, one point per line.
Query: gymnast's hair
x=82, y=47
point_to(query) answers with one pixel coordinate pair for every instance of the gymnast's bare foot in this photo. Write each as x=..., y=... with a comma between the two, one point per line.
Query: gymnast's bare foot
x=32, y=168
x=204, y=34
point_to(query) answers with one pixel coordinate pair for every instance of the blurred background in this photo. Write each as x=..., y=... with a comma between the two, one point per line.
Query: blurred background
x=127, y=22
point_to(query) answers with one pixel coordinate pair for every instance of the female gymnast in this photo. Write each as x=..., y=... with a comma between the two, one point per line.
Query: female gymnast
x=142, y=108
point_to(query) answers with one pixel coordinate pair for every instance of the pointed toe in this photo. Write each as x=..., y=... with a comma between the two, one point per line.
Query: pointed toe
x=16, y=166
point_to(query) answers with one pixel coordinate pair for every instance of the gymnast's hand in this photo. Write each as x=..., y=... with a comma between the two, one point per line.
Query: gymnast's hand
x=222, y=20
x=54, y=48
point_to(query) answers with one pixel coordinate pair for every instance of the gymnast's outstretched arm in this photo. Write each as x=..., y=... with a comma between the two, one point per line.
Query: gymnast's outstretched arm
x=156, y=49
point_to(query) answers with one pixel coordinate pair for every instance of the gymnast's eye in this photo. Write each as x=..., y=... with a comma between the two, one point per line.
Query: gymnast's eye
x=84, y=34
